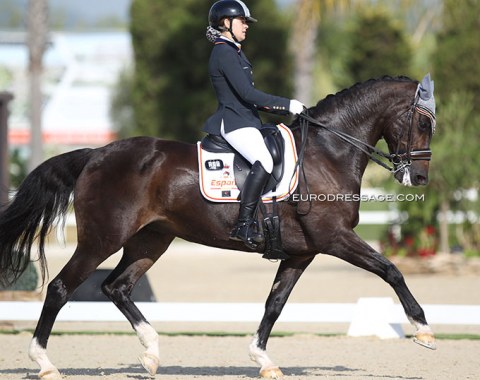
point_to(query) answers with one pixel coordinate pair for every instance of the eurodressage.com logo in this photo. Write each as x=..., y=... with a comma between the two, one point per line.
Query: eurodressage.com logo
x=357, y=197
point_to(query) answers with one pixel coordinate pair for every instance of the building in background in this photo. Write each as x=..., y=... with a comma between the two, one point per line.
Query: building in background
x=80, y=71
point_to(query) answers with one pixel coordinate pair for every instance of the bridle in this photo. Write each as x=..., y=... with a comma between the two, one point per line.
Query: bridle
x=402, y=161
x=399, y=161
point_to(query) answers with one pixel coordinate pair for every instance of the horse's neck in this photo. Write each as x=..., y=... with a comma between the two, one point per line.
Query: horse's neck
x=346, y=158
x=363, y=113
x=364, y=123
x=366, y=111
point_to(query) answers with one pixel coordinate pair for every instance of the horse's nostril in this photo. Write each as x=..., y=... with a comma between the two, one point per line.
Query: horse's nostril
x=421, y=180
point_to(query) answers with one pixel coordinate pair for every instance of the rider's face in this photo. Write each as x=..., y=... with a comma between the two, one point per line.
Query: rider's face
x=239, y=27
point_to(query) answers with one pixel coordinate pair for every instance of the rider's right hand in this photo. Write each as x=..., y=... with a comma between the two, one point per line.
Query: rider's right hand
x=296, y=106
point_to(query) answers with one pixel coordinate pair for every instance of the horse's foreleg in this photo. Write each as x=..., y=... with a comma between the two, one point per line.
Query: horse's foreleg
x=139, y=254
x=349, y=247
x=80, y=266
x=288, y=273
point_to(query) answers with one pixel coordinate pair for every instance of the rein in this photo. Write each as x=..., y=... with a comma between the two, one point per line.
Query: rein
x=304, y=125
x=371, y=151
x=400, y=161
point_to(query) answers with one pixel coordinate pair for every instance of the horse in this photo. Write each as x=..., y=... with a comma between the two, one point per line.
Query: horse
x=140, y=193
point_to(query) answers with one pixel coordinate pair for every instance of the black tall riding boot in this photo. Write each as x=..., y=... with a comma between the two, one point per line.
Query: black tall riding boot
x=246, y=229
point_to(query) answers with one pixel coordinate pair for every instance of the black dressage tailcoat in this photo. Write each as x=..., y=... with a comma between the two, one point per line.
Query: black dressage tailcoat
x=238, y=100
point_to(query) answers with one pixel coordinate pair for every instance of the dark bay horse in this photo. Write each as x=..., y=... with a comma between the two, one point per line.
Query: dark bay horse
x=140, y=193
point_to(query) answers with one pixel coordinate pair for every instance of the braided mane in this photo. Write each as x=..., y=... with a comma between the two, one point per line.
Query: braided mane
x=349, y=94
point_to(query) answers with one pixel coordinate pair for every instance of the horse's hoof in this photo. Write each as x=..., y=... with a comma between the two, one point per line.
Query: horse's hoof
x=425, y=340
x=150, y=363
x=271, y=373
x=50, y=374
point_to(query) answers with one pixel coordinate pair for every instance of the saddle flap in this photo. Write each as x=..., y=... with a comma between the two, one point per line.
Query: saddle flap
x=275, y=143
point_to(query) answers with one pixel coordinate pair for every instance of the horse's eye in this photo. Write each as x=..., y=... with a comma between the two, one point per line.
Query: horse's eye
x=423, y=124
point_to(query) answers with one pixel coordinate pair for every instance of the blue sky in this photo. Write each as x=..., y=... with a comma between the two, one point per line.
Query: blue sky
x=74, y=10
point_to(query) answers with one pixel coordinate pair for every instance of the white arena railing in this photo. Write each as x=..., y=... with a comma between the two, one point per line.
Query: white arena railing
x=368, y=317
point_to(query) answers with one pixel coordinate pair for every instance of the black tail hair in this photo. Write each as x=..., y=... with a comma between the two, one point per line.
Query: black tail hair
x=43, y=196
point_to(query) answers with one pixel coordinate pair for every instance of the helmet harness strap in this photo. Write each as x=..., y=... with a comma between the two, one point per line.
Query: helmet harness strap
x=230, y=29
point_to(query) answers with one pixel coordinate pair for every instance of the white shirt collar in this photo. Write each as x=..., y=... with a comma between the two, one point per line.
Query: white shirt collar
x=230, y=40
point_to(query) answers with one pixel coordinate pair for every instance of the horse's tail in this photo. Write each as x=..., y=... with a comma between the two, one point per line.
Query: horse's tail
x=43, y=196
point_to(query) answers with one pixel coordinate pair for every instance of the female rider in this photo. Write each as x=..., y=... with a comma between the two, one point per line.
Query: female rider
x=237, y=119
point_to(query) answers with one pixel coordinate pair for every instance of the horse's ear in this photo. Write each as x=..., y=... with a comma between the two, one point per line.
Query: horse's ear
x=425, y=89
x=426, y=100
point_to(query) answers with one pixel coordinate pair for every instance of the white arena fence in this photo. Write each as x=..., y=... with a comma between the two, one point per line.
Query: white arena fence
x=368, y=317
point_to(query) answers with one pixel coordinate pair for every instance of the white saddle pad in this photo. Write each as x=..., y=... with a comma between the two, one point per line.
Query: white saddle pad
x=216, y=174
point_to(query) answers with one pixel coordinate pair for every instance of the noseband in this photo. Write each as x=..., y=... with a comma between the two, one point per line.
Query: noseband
x=400, y=161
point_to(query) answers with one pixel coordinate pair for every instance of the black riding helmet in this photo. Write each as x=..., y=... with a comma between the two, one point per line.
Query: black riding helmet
x=228, y=9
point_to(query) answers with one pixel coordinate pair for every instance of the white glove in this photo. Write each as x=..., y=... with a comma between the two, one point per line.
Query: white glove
x=296, y=107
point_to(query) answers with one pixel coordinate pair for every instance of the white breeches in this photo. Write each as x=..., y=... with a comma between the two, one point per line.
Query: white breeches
x=249, y=143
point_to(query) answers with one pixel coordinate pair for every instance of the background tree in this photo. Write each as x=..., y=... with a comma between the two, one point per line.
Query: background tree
x=121, y=105
x=458, y=50
x=455, y=165
x=308, y=16
x=457, y=87
x=172, y=94
x=37, y=44
x=453, y=170
x=320, y=40
x=378, y=46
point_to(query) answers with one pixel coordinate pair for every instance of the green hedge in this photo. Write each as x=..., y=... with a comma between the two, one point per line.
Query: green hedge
x=28, y=281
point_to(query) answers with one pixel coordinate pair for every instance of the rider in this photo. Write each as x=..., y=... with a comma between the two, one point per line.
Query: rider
x=237, y=118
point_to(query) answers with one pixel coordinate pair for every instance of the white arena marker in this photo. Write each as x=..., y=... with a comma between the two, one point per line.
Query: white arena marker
x=371, y=318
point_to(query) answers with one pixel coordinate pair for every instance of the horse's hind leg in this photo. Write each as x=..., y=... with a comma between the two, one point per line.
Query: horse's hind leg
x=139, y=254
x=349, y=247
x=78, y=268
x=287, y=276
